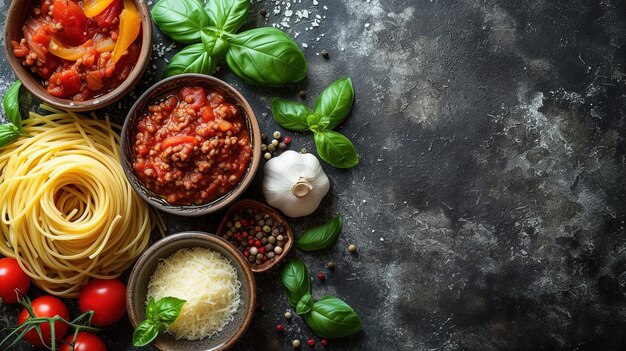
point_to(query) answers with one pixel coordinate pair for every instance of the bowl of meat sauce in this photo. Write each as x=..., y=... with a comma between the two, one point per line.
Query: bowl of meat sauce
x=191, y=145
x=78, y=55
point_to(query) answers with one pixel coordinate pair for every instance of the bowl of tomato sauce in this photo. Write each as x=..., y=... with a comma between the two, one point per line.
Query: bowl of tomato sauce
x=78, y=55
x=191, y=145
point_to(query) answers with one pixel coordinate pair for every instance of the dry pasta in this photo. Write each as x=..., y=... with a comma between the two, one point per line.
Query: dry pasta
x=67, y=211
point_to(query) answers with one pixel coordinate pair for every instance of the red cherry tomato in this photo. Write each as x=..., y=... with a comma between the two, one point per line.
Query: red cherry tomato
x=45, y=306
x=107, y=298
x=84, y=342
x=15, y=282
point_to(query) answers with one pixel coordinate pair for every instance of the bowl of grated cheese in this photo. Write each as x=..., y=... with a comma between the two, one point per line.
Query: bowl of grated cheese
x=210, y=275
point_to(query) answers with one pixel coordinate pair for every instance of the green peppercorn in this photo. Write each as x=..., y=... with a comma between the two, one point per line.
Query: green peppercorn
x=263, y=147
x=271, y=240
x=271, y=148
x=237, y=224
x=271, y=255
x=267, y=229
x=263, y=240
x=259, y=235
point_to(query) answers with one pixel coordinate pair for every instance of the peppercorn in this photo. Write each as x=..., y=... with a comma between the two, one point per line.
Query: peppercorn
x=330, y=265
x=267, y=229
x=275, y=143
x=254, y=250
x=267, y=156
x=259, y=235
x=271, y=255
x=264, y=240
x=287, y=315
x=295, y=343
x=271, y=147
x=263, y=147
x=311, y=342
x=321, y=276
x=278, y=250
x=276, y=135
x=279, y=327
x=325, y=54
x=303, y=150
x=287, y=140
x=352, y=248
x=302, y=94
x=282, y=146
x=271, y=240
x=263, y=12
x=324, y=342
x=280, y=238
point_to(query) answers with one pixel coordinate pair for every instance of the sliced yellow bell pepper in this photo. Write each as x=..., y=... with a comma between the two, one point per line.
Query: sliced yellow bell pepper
x=130, y=24
x=92, y=8
x=73, y=53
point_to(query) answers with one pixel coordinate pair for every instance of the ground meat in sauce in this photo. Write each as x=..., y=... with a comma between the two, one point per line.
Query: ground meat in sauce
x=191, y=148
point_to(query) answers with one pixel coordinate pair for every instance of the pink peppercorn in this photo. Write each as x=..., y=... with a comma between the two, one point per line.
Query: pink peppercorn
x=287, y=140
x=261, y=249
x=244, y=235
x=324, y=342
x=311, y=342
x=257, y=243
x=279, y=327
x=321, y=276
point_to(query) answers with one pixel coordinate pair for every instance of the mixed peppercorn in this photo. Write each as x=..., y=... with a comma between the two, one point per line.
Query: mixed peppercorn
x=276, y=145
x=257, y=235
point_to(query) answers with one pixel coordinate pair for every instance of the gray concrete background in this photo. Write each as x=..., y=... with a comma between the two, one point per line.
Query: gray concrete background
x=489, y=204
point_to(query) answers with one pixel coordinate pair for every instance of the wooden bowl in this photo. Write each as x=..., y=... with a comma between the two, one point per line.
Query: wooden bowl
x=267, y=265
x=167, y=87
x=21, y=10
x=145, y=267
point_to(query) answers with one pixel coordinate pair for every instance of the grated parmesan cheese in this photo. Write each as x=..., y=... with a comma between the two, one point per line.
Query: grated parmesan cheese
x=209, y=284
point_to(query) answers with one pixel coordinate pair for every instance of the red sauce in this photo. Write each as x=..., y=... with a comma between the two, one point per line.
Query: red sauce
x=191, y=148
x=90, y=74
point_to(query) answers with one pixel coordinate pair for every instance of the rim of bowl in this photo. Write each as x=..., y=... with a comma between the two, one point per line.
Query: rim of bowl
x=32, y=84
x=252, y=125
x=186, y=235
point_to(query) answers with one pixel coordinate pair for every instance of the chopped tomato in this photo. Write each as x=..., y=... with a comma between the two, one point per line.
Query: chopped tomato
x=94, y=80
x=207, y=113
x=195, y=97
x=109, y=15
x=64, y=84
x=19, y=50
x=72, y=19
x=177, y=140
x=37, y=37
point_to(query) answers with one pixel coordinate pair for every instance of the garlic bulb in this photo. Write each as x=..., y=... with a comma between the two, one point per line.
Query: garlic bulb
x=294, y=183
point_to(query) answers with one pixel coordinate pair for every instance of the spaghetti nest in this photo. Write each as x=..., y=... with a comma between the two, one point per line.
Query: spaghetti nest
x=68, y=212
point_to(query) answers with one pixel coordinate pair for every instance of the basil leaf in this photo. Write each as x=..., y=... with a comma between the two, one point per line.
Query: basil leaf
x=8, y=134
x=317, y=123
x=145, y=333
x=336, y=101
x=214, y=45
x=266, y=56
x=290, y=115
x=332, y=318
x=294, y=277
x=168, y=309
x=152, y=311
x=305, y=305
x=227, y=15
x=192, y=59
x=336, y=149
x=11, y=105
x=181, y=20
x=322, y=236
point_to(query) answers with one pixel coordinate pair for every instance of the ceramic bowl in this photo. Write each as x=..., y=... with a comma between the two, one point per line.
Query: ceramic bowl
x=145, y=267
x=243, y=204
x=171, y=86
x=20, y=11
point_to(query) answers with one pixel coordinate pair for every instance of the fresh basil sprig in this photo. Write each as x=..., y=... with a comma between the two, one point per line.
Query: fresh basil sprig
x=328, y=317
x=320, y=237
x=9, y=132
x=331, y=108
x=264, y=56
x=296, y=281
x=159, y=315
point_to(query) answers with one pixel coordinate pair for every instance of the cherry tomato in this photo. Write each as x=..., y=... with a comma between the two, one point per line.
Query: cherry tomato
x=45, y=306
x=72, y=19
x=15, y=282
x=107, y=298
x=84, y=342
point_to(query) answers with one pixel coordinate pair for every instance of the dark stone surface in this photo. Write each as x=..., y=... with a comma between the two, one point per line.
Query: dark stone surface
x=489, y=205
